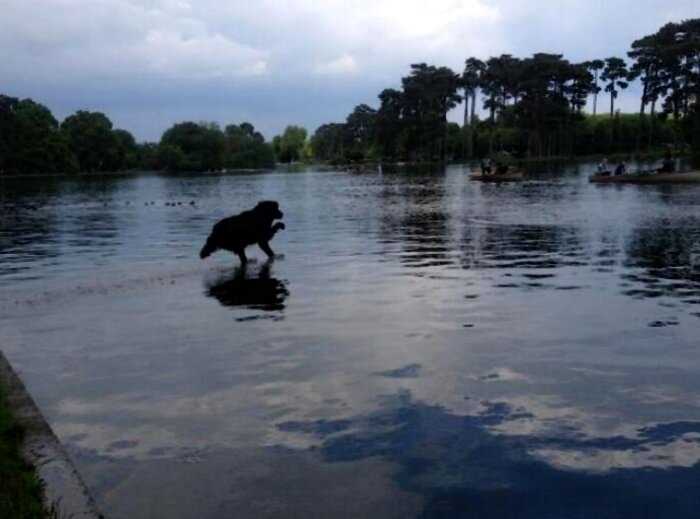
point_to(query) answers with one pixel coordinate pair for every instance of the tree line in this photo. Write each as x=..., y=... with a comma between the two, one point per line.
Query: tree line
x=533, y=106
x=32, y=141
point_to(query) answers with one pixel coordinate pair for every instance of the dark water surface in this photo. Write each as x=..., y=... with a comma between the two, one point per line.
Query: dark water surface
x=428, y=346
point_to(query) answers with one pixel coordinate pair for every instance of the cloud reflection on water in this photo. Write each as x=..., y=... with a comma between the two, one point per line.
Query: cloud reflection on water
x=509, y=325
x=463, y=469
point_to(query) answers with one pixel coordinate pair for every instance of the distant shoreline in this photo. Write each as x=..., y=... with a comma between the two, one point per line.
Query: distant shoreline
x=350, y=166
x=134, y=173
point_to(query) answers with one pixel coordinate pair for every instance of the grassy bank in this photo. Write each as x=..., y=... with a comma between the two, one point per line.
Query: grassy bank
x=20, y=489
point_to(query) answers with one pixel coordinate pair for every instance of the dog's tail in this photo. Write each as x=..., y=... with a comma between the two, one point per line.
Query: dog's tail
x=208, y=248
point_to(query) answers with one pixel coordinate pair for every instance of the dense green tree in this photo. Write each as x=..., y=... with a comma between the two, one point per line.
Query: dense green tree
x=683, y=58
x=595, y=66
x=668, y=64
x=246, y=148
x=239, y=136
x=30, y=139
x=359, y=131
x=148, y=156
x=615, y=74
x=172, y=158
x=92, y=140
x=289, y=146
x=695, y=140
x=454, y=143
x=328, y=142
x=535, y=105
x=389, y=123
x=8, y=107
x=500, y=83
x=202, y=146
x=471, y=81
x=581, y=85
x=544, y=109
x=429, y=92
x=411, y=122
x=645, y=67
x=126, y=151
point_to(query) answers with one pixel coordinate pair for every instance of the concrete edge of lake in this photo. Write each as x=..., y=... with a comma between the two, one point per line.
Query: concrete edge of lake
x=63, y=486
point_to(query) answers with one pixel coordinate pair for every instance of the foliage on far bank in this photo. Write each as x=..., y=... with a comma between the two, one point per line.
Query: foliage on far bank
x=291, y=146
x=190, y=146
x=33, y=142
x=20, y=489
x=533, y=106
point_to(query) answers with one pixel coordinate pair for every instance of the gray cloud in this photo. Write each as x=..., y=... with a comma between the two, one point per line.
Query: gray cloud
x=150, y=63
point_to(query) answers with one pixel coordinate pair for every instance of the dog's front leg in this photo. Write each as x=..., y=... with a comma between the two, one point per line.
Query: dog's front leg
x=265, y=246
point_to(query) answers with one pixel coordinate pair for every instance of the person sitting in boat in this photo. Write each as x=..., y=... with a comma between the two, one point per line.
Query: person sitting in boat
x=668, y=165
x=621, y=168
x=503, y=160
x=486, y=167
x=603, y=166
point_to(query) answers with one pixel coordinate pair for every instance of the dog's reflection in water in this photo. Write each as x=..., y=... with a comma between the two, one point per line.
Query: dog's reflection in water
x=248, y=288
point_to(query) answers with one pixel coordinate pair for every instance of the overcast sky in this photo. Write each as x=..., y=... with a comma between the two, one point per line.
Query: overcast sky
x=150, y=63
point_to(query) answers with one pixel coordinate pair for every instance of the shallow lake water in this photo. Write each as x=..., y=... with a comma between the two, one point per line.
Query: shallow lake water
x=427, y=346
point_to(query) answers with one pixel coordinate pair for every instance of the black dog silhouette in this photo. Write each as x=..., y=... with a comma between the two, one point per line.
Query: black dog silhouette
x=235, y=233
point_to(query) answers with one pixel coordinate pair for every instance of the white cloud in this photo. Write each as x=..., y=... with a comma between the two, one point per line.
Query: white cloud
x=258, y=68
x=120, y=39
x=291, y=36
x=78, y=49
x=170, y=54
x=343, y=65
x=412, y=19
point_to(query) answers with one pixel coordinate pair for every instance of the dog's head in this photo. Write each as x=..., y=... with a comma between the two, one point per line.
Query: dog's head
x=269, y=209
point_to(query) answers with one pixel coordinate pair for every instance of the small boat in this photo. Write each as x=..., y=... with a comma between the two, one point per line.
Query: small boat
x=510, y=176
x=647, y=177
